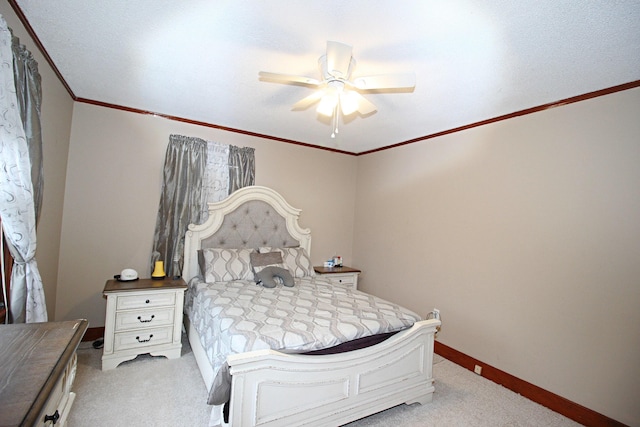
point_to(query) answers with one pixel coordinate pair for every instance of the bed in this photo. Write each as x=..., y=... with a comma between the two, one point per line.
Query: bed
x=358, y=356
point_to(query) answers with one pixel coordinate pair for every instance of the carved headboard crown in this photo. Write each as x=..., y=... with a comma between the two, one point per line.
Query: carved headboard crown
x=253, y=224
x=251, y=217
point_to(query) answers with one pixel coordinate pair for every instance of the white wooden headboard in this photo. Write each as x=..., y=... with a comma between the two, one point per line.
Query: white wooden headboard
x=251, y=217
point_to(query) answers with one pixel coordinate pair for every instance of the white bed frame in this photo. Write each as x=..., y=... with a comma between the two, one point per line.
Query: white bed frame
x=270, y=388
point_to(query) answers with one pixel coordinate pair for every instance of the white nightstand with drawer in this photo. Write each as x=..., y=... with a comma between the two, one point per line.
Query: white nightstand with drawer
x=345, y=276
x=143, y=316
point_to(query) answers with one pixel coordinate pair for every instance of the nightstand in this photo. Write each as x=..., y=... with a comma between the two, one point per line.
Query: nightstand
x=345, y=276
x=143, y=316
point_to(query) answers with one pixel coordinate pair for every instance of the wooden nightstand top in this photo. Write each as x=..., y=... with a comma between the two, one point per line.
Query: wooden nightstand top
x=335, y=270
x=143, y=284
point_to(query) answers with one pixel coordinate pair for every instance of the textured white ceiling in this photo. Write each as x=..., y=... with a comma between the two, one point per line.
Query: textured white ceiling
x=474, y=60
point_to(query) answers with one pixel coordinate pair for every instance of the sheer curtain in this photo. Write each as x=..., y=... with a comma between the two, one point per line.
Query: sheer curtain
x=18, y=204
x=195, y=172
x=216, y=175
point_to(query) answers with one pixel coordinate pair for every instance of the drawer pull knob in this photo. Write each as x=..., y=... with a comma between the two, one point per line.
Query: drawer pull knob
x=55, y=417
x=147, y=340
x=146, y=321
x=147, y=302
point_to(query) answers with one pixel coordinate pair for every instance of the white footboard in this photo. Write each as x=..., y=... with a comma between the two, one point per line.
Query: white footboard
x=270, y=388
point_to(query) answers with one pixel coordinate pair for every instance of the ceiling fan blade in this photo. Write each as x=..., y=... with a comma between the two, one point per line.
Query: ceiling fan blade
x=307, y=101
x=386, y=81
x=288, y=78
x=364, y=105
x=338, y=59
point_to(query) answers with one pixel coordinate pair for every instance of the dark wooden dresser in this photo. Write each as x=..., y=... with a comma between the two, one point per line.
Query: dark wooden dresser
x=37, y=369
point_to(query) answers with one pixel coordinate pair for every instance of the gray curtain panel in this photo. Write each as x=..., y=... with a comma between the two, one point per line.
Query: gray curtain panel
x=242, y=167
x=29, y=95
x=181, y=201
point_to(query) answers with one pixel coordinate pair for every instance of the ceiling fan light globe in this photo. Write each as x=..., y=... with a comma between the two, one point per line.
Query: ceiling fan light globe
x=327, y=105
x=348, y=102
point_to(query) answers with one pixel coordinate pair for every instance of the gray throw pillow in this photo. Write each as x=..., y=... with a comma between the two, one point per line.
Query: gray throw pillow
x=259, y=261
x=266, y=276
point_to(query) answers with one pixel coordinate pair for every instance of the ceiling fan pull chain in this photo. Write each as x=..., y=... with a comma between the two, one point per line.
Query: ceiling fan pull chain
x=335, y=120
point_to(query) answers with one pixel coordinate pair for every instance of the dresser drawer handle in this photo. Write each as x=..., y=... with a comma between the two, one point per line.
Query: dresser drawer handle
x=55, y=417
x=147, y=302
x=146, y=321
x=147, y=340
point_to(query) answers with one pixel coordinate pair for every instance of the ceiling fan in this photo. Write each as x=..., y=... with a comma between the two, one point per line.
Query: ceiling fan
x=337, y=91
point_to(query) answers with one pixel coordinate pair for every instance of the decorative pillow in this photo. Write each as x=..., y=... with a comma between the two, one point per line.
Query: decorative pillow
x=266, y=276
x=259, y=261
x=295, y=259
x=223, y=265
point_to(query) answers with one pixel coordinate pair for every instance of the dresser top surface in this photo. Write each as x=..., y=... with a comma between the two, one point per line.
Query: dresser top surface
x=32, y=358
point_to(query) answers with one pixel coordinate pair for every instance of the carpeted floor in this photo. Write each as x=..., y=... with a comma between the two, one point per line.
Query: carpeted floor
x=155, y=391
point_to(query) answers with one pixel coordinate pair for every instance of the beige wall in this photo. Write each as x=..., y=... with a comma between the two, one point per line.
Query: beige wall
x=113, y=189
x=526, y=235
x=57, y=108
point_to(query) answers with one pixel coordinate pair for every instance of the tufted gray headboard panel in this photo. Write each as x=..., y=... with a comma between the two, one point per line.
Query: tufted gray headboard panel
x=251, y=225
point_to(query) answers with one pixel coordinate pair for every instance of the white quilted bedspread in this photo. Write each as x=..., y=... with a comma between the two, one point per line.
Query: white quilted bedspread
x=236, y=317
